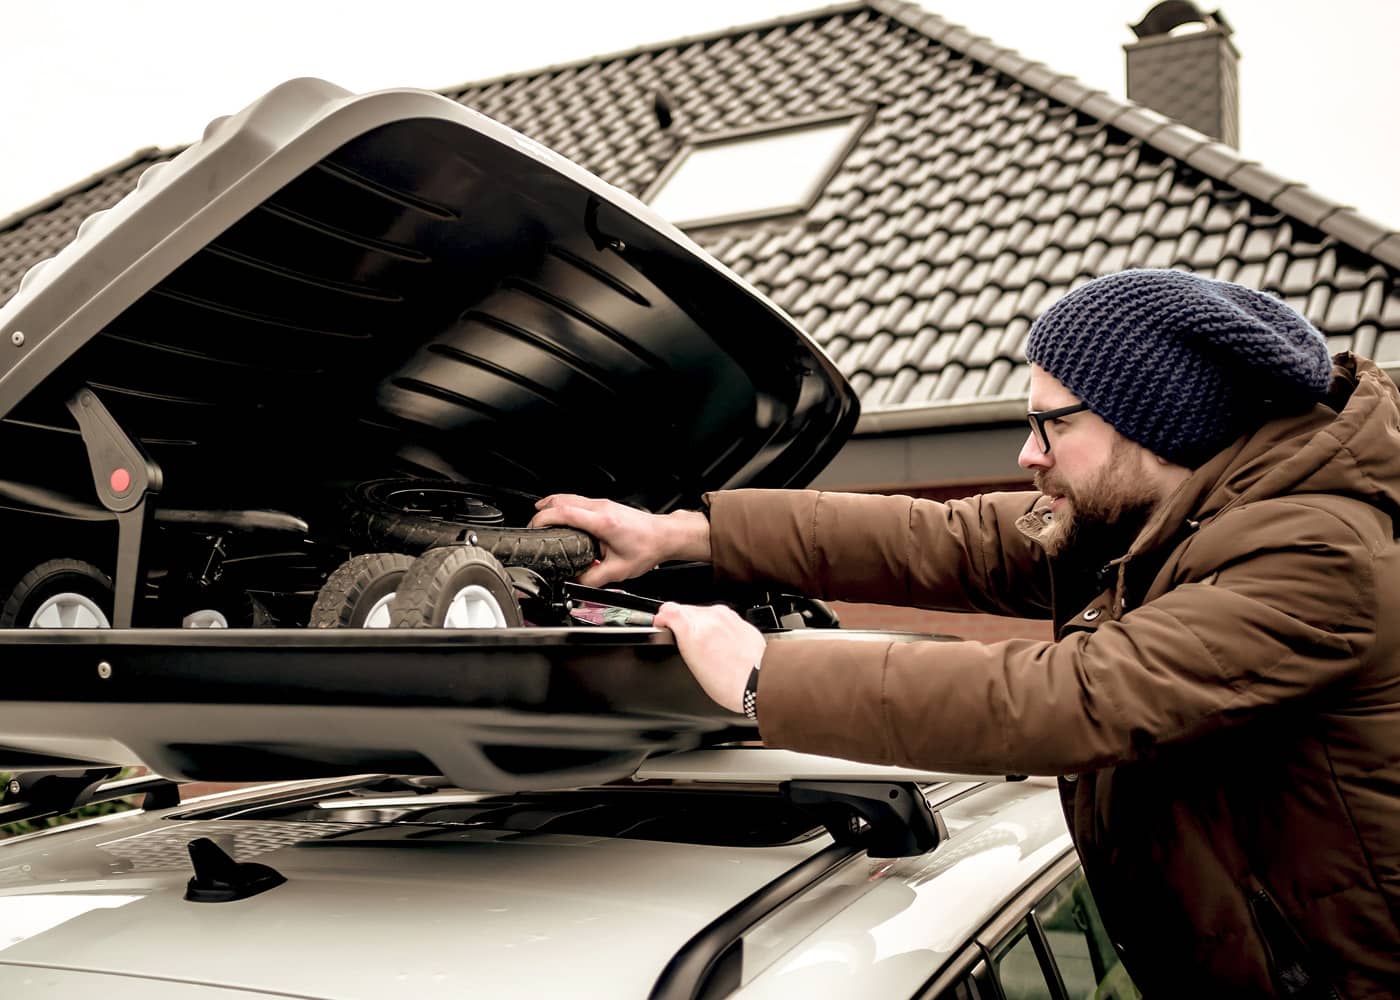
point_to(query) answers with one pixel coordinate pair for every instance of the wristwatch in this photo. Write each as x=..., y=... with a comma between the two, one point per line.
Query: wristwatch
x=751, y=695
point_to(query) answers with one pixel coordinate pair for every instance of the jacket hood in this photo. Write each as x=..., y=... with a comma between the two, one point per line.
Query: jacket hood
x=1349, y=444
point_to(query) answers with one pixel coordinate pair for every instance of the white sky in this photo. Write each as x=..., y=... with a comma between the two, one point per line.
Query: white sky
x=83, y=83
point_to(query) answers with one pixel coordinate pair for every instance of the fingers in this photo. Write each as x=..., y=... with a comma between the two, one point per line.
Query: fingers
x=567, y=499
x=690, y=620
x=592, y=521
x=719, y=647
x=672, y=616
x=600, y=574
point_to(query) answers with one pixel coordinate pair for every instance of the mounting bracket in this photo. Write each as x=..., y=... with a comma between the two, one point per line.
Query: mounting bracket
x=124, y=476
x=897, y=820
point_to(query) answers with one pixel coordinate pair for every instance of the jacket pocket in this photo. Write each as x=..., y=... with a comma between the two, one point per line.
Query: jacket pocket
x=1291, y=965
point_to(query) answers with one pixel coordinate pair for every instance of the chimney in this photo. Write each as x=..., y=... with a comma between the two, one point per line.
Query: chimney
x=1190, y=75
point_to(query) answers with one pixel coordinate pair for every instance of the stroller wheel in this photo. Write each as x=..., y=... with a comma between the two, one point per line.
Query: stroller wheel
x=60, y=593
x=223, y=607
x=358, y=594
x=415, y=515
x=459, y=586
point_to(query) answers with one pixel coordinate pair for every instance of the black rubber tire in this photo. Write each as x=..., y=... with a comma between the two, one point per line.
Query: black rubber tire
x=436, y=577
x=374, y=515
x=352, y=591
x=56, y=576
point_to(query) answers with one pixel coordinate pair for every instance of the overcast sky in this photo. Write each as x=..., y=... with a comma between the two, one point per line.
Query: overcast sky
x=84, y=83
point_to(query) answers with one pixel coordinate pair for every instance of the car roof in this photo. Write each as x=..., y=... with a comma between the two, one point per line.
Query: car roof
x=374, y=907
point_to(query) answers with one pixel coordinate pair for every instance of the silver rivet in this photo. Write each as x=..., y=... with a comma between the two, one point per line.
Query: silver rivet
x=1091, y=614
x=17, y=338
x=104, y=670
x=14, y=787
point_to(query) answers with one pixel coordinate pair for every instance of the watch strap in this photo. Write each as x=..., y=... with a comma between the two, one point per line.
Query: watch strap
x=751, y=695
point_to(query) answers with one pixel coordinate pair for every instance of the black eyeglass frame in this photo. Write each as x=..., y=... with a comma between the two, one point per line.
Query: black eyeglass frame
x=1038, y=419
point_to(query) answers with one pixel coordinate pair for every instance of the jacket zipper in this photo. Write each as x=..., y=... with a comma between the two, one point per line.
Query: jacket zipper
x=1291, y=960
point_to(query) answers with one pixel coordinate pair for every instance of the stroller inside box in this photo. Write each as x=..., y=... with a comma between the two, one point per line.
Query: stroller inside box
x=316, y=369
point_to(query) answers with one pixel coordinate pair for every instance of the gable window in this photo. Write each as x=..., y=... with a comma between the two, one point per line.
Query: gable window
x=753, y=174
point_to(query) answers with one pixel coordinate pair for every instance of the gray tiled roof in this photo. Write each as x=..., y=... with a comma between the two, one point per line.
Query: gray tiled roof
x=984, y=187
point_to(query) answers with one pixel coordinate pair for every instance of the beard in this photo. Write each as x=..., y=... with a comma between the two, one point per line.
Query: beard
x=1098, y=520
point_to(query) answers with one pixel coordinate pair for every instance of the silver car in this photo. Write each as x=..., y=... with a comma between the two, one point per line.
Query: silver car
x=734, y=871
x=273, y=428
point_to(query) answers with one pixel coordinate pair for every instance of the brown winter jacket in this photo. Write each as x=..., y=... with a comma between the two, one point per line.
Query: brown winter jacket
x=1226, y=715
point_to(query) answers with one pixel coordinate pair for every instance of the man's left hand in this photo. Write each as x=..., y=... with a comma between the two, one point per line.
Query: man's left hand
x=719, y=647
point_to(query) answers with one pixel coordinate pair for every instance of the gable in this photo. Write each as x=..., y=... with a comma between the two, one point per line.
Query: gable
x=983, y=189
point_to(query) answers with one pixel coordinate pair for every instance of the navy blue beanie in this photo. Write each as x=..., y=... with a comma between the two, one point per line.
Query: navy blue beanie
x=1181, y=364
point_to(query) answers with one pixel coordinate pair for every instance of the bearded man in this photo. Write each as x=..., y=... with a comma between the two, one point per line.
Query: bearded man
x=1214, y=538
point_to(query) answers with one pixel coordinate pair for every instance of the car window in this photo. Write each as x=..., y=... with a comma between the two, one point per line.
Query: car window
x=1018, y=967
x=1075, y=936
x=1059, y=949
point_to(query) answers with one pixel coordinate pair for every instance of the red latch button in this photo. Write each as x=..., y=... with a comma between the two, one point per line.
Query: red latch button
x=121, y=481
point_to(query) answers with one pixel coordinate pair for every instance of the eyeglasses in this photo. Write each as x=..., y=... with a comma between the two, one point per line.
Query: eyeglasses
x=1039, y=418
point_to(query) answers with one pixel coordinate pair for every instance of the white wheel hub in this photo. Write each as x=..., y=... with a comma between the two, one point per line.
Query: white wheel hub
x=474, y=607
x=378, y=616
x=69, y=610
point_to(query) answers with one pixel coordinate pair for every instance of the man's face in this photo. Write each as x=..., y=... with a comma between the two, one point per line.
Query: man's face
x=1102, y=487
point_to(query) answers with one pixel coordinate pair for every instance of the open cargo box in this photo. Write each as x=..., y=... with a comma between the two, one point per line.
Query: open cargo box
x=493, y=710
x=330, y=288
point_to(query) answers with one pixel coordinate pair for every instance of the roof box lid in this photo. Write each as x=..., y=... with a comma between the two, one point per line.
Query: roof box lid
x=330, y=286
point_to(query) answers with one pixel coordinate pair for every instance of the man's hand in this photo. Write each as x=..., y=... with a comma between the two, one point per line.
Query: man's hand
x=632, y=541
x=719, y=647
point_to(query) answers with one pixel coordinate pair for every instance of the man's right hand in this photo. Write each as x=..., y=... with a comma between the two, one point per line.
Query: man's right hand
x=632, y=541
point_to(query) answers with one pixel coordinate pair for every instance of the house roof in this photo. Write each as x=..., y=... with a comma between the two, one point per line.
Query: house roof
x=984, y=187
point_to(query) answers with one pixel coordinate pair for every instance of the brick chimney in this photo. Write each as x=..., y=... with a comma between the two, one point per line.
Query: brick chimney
x=1191, y=75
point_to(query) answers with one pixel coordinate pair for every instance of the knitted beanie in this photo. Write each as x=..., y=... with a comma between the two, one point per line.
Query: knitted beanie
x=1181, y=364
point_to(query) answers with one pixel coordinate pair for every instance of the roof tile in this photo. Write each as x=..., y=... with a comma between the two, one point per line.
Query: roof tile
x=939, y=352
x=1388, y=250
x=1018, y=381
x=874, y=351
x=1364, y=340
x=898, y=392
x=1373, y=300
x=1257, y=182
x=948, y=381
x=970, y=385
x=1214, y=158
x=1013, y=339
x=1139, y=121
x=1390, y=312
x=1343, y=312
x=1304, y=204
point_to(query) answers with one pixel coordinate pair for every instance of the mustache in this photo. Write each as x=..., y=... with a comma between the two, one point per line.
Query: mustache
x=1049, y=487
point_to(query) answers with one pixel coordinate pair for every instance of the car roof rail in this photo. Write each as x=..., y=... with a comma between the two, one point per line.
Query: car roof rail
x=710, y=964
x=36, y=794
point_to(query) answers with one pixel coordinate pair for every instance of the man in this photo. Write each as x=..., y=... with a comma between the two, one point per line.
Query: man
x=1214, y=537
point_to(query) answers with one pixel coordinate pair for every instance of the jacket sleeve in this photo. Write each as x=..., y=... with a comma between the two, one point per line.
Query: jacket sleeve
x=964, y=555
x=1271, y=622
